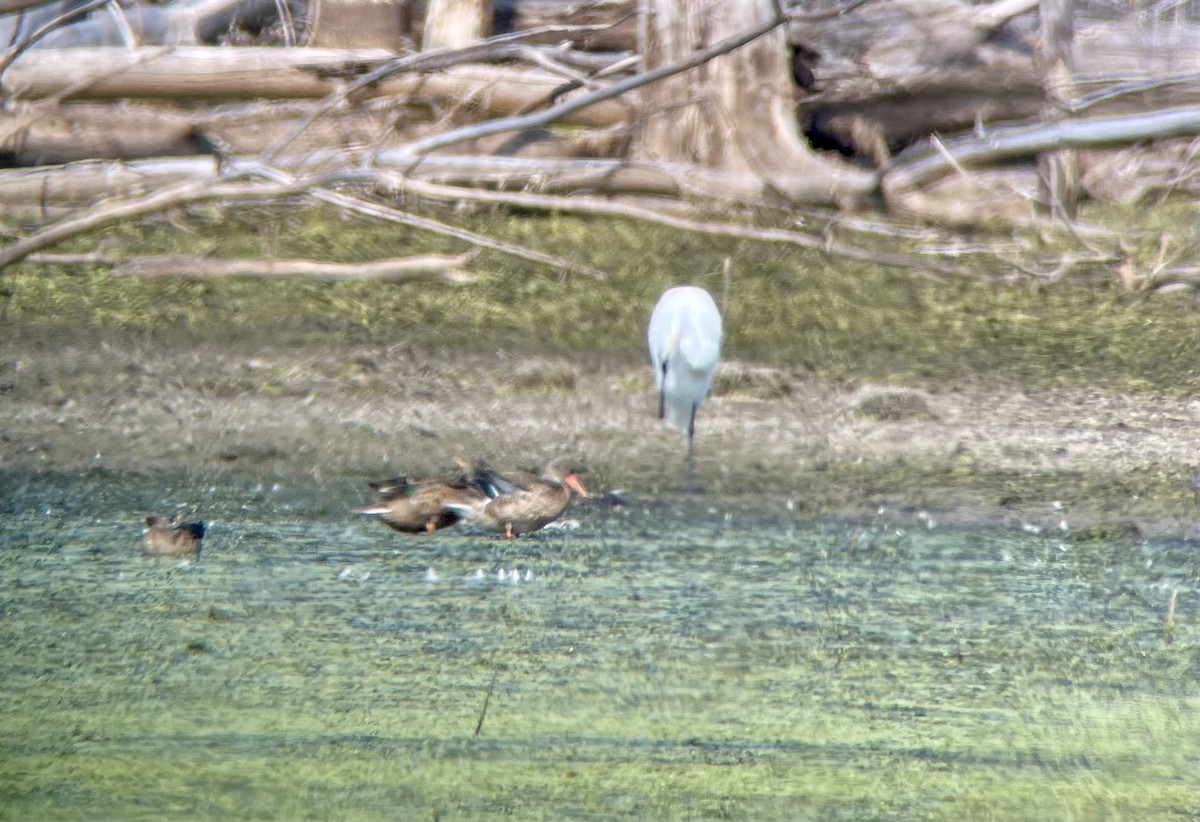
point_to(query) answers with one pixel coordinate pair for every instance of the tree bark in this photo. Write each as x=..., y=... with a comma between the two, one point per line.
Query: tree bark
x=1059, y=170
x=616, y=17
x=362, y=24
x=456, y=23
x=734, y=112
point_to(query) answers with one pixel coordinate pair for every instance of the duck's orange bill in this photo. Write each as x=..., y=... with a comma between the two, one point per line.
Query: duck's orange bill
x=573, y=482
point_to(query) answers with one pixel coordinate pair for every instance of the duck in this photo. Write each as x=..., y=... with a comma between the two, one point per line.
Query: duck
x=521, y=502
x=420, y=506
x=171, y=538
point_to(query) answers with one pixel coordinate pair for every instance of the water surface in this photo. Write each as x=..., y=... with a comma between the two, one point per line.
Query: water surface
x=666, y=659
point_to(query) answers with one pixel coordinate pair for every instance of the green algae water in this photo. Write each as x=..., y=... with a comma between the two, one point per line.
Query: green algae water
x=679, y=659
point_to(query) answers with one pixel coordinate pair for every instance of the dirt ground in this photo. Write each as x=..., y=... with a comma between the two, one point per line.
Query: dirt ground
x=1068, y=459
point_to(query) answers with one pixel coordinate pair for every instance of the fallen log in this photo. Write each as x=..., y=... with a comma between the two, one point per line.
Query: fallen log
x=226, y=73
x=83, y=184
x=444, y=267
x=887, y=75
x=48, y=135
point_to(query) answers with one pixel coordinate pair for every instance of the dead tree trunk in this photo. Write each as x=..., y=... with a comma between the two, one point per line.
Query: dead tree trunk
x=1059, y=170
x=356, y=24
x=734, y=112
x=456, y=23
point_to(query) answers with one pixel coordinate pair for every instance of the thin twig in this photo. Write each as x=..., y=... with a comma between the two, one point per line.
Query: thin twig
x=487, y=698
x=112, y=211
x=597, y=205
x=817, y=16
x=1169, y=622
x=232, y=186
x=313, y=188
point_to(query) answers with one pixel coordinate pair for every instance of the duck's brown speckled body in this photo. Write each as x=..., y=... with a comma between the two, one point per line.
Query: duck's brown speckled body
x=171, y=538
x=420, y=506
x=520, y=502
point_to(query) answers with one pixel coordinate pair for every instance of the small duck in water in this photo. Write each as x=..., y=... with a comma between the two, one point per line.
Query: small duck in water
x=171, y=538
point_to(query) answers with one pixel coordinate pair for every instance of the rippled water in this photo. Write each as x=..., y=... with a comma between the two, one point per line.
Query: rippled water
x=663, y=659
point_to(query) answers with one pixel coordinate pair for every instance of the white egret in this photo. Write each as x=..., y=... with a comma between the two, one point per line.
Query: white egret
x=685, y=344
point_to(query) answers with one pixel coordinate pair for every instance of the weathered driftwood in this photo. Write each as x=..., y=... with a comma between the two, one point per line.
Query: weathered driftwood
x=391, y=24
x=83, y=183
x=661, y=216
x=154, y=202
x=443, y=267
x=889, y=74
x=196, y=72
x=884, y=75
x=356, y=24
x=202, y=73
x=48, y=134
x=500, y=47
x=815, y=181
x=950, y=45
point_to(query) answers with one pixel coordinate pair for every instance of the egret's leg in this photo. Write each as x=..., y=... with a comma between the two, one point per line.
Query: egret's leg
x=690, y=482
x=691, y=457
x=662, y=393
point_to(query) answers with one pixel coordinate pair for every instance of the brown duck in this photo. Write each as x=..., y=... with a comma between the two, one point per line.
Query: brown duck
x=171, y=538
x=521, y=502
x=421, y=506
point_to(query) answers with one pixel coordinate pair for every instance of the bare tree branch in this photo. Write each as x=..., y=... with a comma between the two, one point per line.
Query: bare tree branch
x=919, y=168
x=280, y=185
x=596, y=205
x=314, y=189
x=109, y=212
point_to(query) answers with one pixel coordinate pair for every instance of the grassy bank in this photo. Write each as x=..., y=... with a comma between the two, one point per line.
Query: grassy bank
x=834, y=319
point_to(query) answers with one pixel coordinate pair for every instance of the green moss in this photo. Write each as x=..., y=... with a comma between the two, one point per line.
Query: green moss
x=838, y=319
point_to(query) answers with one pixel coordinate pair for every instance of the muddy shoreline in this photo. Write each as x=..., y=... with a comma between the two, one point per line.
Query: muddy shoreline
x=1081, y=461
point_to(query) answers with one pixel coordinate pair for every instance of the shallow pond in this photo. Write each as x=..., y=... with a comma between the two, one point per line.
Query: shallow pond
x=686, y=658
